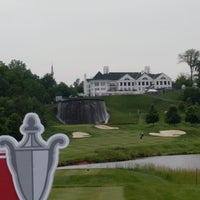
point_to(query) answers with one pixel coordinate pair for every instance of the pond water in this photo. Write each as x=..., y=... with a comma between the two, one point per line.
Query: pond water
x=188, y=162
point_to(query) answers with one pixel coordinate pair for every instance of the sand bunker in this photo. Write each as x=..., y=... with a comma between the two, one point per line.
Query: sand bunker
x=105, y=127
x=169, y=133
x=80, y=135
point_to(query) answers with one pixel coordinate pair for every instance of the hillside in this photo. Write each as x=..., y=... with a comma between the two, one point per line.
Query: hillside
x=127, y=113
x=131, y=108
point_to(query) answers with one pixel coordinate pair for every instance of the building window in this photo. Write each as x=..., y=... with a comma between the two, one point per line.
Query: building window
x=157, y=82
x=121, y=83
x=168, y=82
x=143, y=82
x=132, y=83
x=103, y=83
x=138, y=83
x=96, y=84
x=124, y=83
x=161, y=82
x=165, y=82
x=129, y=84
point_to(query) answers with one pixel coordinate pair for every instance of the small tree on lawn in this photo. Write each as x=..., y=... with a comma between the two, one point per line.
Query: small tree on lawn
x=192, y=114
x=172, y=116
x=152, y=116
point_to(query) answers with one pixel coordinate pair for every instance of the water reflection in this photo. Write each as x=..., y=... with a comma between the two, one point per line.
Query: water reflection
x=189, y=162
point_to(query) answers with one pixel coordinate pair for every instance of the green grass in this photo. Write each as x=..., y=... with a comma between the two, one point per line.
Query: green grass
x=131, y=108
x=125, y=144
x=176, y=96
x=128, y=184
x=127, y=113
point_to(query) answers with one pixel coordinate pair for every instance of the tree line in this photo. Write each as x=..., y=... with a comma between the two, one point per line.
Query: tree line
x=21, y=92
x=190, y=102
x=188, y=109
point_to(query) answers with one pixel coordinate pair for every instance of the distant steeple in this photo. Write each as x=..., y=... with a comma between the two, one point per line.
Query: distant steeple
x=52, y=72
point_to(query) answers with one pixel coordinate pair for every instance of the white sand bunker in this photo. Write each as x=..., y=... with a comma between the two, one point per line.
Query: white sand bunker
x=105, y=127
x=169, y=133
x=80, y=135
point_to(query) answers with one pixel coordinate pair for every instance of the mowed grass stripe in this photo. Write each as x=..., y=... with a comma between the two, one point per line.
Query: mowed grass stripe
x=128, y=184
x=87, y=193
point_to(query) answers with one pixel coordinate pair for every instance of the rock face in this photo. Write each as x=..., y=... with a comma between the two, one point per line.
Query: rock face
x=82, y=111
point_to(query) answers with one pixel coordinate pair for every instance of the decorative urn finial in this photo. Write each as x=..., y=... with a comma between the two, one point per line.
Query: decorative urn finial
x=33, y=161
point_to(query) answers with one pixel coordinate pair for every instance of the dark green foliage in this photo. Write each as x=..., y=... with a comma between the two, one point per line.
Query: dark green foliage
x=12, y=124
x=62, y=90
x=172, y=116
x=16, y=80
x=192, y=95
x=22, y=92
x=181, y=106
x=12, y=112
x=78, y=86
x=192, y=114
x=2, y=121
x=49, y=85
x=152, y=116
x=182, y=80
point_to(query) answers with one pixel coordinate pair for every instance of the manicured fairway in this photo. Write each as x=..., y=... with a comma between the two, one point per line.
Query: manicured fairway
x=127, y=113
x=125, y=184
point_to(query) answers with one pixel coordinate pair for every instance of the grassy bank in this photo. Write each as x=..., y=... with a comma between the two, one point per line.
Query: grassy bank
x=125, y=184
x=127, y=113
x=125, y=143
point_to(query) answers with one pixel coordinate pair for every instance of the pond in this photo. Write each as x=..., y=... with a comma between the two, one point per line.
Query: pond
x=187, y=162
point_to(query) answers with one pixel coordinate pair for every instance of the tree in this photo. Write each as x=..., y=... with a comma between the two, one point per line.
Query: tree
x=13, y=123
x=152, y=116
x=191, y=95
x=36, y=89
x=62, y=90
x=198, y=74
x=191, y=57
x=192, y=114
x=2, y=121
x=76, y=88
x=48, y=81
x=172, y=116
x=181, y=80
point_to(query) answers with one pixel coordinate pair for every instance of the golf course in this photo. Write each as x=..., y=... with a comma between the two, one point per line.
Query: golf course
x=124, y=142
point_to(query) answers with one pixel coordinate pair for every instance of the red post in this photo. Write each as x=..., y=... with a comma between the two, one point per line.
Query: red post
x=7, y=189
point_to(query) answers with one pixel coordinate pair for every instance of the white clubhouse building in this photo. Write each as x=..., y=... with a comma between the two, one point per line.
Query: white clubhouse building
x=111, y=83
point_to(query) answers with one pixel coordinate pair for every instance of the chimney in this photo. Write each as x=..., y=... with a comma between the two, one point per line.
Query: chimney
x=147, y=69
x=105, y=69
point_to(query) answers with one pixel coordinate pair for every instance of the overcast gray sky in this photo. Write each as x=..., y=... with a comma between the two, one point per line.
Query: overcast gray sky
x=82, y=36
